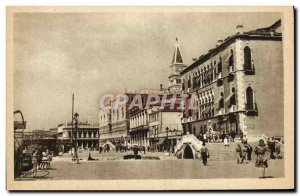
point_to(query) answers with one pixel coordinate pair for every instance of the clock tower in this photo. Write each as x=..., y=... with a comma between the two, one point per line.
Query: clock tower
x=177, y=65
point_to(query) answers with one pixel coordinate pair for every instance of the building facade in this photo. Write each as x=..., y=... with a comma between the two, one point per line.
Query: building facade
x=87, y=136
x=36, y=139
x=114, y=124
x=139, y=127
x=165, y=126
x=155, y=126
x=239, y=83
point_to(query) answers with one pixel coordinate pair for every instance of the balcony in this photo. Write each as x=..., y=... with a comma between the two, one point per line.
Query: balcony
x=230, y=73
x=232, y=108
x=219, y=79
x=251, y=109
x=221, y=111
x=230, y=69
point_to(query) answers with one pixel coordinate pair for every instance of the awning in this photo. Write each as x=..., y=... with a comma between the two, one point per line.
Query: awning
x=161, y=141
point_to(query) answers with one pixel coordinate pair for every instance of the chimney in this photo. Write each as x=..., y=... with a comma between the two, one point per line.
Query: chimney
x=219, y=42
x=161, y=87
x=239, y=29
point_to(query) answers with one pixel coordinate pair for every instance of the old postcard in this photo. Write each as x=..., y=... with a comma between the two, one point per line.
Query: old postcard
x=150, y=98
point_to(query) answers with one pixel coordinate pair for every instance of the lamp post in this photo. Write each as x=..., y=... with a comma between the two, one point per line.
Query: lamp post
x=76, y=115
x=167, y=129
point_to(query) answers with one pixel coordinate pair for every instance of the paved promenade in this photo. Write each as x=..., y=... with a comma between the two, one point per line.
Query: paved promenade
x=169, y=168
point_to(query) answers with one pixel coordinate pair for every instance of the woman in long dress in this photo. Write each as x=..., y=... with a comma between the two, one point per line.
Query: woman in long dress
x=262, y=152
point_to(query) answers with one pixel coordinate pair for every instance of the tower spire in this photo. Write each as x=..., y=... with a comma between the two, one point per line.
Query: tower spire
x=177, y=57
x=177, y=65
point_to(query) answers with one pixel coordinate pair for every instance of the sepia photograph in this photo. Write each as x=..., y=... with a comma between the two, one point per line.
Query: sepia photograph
x=150, y=98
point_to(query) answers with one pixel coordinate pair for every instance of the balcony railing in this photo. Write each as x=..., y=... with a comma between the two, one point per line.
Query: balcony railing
x=221, y=111
x=230, y=69
x=250, y=71
x=251, y=109
x=233, y=108
x=219, y=76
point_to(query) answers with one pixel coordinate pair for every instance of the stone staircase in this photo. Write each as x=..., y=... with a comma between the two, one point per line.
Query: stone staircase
x=217, y=151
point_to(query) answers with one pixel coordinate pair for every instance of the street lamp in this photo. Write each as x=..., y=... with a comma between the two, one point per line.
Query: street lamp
x=167, y=129
x=76, y=115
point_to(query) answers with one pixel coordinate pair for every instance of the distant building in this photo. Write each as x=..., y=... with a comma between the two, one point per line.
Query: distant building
x=239, y=84
x=114, y=123
x=36, y=139
x=87, y=136
x=165, y=126
x=155, y=126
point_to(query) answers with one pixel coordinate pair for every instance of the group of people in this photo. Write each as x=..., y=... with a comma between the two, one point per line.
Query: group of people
x=217, y=137
x=244, y=152
x=274, y=147
x=41, y=160
x=263, y=151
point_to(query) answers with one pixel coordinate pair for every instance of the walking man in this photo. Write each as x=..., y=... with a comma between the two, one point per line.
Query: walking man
x=34, y=162
x=239, y=153
x=204, y=153
x=135, y=151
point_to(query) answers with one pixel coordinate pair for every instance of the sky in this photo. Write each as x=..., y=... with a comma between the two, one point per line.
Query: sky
x=91, y=54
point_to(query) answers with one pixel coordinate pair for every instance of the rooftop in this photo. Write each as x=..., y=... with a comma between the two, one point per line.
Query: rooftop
x=261, y=33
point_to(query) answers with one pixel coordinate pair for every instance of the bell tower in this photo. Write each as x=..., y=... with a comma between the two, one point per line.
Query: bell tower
x=177, y=65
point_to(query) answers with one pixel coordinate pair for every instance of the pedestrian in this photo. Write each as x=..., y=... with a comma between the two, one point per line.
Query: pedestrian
x=39, y=159
x=223, y=136
x=144, y=148
x=204, y=153
x=100, y=149
x=44, y=160
x=135, y=151
x=244, y=152
x=249, y=151
x=204, y=137
x=278, y=151
x=233, y=136
x=271, y=145
x=241, y=135
x=244, y=138
x=226, y=141
x=239, y=153
x=261, y=152
x=34, y=163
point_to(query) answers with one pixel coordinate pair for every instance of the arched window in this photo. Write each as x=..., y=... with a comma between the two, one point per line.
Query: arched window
x=189, y=82
x=221, y=102
x=232, y=98
x=183, y=87
x=249, y=98
x=247, y=59
x=220, y=65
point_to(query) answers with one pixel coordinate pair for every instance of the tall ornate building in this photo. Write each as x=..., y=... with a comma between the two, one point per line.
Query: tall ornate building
x=177, y=65
x=239, y=85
